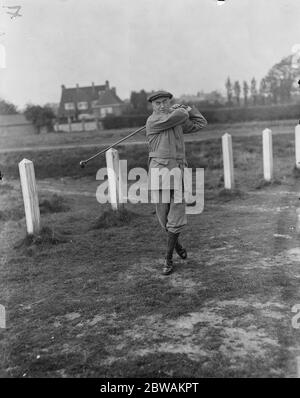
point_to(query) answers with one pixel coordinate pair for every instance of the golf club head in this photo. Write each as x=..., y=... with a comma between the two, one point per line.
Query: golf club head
x=82, y=164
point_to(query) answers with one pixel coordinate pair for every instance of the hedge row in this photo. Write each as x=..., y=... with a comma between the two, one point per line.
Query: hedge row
x=115, y=122
x=219, y=115
x=273, y=112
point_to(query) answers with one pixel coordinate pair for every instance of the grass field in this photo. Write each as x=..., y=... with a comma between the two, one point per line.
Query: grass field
x=104, y=137
x=86, y=297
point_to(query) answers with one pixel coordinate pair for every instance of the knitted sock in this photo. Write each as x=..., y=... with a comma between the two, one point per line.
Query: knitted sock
x=172, y=239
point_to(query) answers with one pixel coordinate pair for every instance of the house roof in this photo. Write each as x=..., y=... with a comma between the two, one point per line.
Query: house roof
x=101, y=94
x=13, y=120
x=109, y=97
x=89, y=93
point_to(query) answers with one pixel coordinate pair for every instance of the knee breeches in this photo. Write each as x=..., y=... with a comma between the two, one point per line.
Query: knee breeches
x=172, y=216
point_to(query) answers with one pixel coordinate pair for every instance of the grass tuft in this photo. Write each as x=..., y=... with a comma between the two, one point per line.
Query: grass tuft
x=115, y=218
x=226, y=195
x=5, y=187
x=14, y=214
x=55, y=205
x=47, y=236
x=263, y=183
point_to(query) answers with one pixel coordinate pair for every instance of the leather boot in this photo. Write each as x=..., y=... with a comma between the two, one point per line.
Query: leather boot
x=181, y=251
x=168, y=265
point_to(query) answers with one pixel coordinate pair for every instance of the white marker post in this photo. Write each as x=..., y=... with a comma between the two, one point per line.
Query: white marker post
x=227, y=161
x=297, y=146
x=2, y=317
x=267, y=154
x=123, y=198
x=30, y=196
x=112, y=164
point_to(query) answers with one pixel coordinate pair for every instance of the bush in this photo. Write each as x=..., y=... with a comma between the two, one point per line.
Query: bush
x=116, y=122
x=40, y=117
x=217, y=115
x=229, y=115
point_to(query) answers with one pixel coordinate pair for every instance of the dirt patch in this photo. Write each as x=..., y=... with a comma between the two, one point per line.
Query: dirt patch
x=192, y=335
x=72, y=315
x=238, y=343
x=294, y=254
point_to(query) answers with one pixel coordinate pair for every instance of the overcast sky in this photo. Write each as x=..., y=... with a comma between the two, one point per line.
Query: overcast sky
x=183, y=46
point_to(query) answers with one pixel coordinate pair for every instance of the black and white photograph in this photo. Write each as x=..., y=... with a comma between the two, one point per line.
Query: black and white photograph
x=149, y=192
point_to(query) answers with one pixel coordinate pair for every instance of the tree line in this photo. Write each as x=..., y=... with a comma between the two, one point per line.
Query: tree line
x=277, y=87
x=40, y=116
x=269, y=91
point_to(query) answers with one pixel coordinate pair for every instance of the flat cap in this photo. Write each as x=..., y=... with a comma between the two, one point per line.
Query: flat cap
x=159, y=94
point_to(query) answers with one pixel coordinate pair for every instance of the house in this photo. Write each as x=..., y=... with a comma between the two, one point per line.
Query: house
x=15, y=124
x=91, y=102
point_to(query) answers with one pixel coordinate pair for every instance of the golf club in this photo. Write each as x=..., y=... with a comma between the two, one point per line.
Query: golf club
x=84, y=162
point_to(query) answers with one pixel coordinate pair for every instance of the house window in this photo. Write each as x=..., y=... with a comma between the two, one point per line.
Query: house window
x=94, y=103
x=82, y=105
x=69, y=106
x=105, y=111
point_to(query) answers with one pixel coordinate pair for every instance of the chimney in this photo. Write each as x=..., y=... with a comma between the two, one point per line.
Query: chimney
x=93, y=88
x=107, y=84
x=113, y=89
x=63, y=87
x=77, y=85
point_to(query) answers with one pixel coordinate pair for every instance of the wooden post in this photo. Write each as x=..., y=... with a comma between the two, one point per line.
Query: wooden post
x=123, y=182
x=112, y=164
x=30, y=196
x=227, y=161
x=70, y=124
x=297, y=145
x=267, y=155
x=2, y=317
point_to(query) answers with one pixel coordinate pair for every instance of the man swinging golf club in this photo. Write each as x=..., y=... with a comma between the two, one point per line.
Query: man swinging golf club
x=164, y=132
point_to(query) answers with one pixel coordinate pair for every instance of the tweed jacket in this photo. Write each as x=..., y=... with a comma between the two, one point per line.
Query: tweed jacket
x=165, y=136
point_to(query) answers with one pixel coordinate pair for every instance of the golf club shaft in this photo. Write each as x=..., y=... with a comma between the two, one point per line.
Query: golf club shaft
x=116, y=143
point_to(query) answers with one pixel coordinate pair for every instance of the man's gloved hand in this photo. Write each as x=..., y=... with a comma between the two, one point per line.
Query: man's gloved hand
x=176, y=106
x=188, y=108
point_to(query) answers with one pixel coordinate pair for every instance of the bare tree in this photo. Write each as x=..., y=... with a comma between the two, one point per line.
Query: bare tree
x=253, y=91
x=228, y=86
x=263, y=91
x=245, y=91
